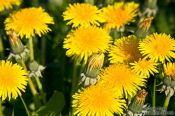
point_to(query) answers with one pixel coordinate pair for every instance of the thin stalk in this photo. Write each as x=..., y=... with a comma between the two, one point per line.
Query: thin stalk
x=154, y=95
x=31, y=85
x=25, y=106
x=1, y=49
x=1, y=113
x=167, y=100
x=74, y=83
x=40, y=87
x=31, y=49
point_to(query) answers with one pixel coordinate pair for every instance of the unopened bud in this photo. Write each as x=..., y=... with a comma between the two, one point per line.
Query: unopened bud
x=35, y=69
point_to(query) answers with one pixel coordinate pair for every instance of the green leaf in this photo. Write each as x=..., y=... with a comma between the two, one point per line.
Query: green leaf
x=54, y=106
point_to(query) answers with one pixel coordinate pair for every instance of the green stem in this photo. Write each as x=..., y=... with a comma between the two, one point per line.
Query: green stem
x=154, y=95
x=1, y=49
x=32, y=87
x=40, y=87
x=1, y=113
x=25, y=106
x=167, y=100
x=31, y=49
x=74, y=82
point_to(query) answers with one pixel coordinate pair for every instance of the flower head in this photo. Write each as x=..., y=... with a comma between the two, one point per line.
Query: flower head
x=97, y=101
x=158, y=47
x=121, y=77
x=83, y=14
x=29, y=21
x=119, y=14
x=169, y=70
x=125, y=49
x=85, y=41
x=13, y=80
x=7, y=4
x=144, y=67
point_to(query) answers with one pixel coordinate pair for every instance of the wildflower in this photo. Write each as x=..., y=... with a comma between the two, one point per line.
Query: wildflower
x=82, y=14
x=35, y=69
x=119, y=14
x=125, y=50
x=158, y=47
x=97, y=101
x=94, y=64
x=144, y=67
x=19, y=51
x=13, y=80
x=122, y=78
x=137, y=105
x=29, y=21
x=7, y=4
x=84, y=41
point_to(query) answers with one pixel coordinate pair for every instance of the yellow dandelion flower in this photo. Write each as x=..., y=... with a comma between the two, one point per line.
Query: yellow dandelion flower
x=84, y=41
x=144, y=67
x=83, y=14
x=125, y=50
x=121, y=77
x=97, y=101
x=169, y=69
x=158, y=47
x=13, y=80
x=7, y=4
x=29, y=21
x=119, y=14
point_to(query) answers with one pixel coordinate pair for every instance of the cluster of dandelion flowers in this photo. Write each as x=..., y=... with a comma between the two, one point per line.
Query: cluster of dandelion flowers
x=97, y=100
x=13, y=80
x=82, y=14
x=158, y=47
x=7, y=4
x=29, y=21
x=125, y=50
x=84, y=41
x=119, y=14
x=122, y=78
x=144, y=67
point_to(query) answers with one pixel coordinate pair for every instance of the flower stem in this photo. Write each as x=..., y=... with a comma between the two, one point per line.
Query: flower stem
x=32, y=87
x=40, y=87
x=167, y=100
x=1, y=49
x=25, y=106
x=154, y=95
x=1, y=113
x=31, y=49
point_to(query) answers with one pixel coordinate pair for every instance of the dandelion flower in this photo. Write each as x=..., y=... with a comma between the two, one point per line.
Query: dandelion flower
x=97, y=101
x=169, y=70
x=125, y=50
x=144, y=67
x=121, y=77
x=85, y=41
x=13, y=80
x=28, y=22
x=119, y=14
x=158, y=47
x=7, y=4
x=83, y=14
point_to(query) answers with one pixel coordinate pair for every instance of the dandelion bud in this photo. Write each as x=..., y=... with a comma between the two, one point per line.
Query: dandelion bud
x=137, y=105
x=94, y=64
x=19, y=51
x=35, y=69
x=145, y=23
